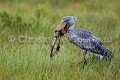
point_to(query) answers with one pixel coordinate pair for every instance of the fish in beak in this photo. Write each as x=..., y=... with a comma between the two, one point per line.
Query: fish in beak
x=62, y=27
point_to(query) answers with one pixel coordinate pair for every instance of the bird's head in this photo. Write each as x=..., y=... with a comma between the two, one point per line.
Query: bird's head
x=66, y=23
x=69, y=19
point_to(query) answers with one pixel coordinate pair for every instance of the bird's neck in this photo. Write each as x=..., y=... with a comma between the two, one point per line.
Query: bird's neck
x=71, y=27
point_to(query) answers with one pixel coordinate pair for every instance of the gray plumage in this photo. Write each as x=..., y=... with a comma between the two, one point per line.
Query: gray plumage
x=86, y=40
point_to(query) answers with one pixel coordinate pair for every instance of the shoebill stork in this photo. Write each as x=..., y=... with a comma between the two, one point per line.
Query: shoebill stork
x=84, y=39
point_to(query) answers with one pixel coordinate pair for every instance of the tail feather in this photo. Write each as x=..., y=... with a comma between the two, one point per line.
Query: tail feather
x=106, y=53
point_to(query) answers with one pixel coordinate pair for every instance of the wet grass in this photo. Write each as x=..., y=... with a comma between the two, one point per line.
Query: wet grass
x=26, y=31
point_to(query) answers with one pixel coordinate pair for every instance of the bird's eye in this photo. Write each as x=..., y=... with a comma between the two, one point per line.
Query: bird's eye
x=74, y=18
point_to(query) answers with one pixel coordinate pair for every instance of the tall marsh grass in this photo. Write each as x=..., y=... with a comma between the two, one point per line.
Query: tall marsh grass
x=27, y=28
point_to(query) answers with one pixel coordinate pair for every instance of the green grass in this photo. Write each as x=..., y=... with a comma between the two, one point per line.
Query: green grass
x=27, y=28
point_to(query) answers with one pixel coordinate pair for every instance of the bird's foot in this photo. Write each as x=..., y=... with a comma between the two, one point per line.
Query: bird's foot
x=85, y=61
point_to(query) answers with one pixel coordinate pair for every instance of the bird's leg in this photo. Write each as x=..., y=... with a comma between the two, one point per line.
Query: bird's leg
x=84, y=54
